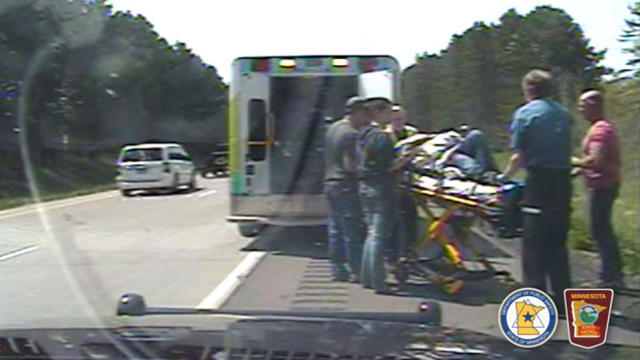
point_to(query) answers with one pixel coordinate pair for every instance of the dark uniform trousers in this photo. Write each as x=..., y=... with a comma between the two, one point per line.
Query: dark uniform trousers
x=547, y=209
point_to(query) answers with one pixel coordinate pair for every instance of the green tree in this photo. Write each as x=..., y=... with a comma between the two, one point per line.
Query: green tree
x=97, y=78
x=631, y=35
x=476, y=79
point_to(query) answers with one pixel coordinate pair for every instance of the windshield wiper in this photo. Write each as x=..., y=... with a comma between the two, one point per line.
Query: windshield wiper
x=427, y=313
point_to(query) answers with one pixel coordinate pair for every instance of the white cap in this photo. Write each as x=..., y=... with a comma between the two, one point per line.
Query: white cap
x=377, y=85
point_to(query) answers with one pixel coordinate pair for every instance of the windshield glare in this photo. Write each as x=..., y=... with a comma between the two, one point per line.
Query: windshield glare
x=467, y=162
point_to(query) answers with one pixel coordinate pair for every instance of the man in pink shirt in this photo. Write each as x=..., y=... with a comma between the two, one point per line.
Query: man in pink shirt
x=600, y=167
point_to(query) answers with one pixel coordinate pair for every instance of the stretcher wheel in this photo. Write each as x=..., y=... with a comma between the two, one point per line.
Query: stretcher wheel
x=453, y=287
x=401, y=272
x=476, y=275
x=513, y=283
x=507, y=280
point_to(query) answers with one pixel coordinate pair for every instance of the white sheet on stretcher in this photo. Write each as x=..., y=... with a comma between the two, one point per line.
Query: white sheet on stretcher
x=436, y=143
x=431, y=151
x=466, y=188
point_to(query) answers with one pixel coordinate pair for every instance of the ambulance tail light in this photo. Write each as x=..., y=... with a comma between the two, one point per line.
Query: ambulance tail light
x=261, y=65
x=368, y=64
x=340, y=62
x=287, y=63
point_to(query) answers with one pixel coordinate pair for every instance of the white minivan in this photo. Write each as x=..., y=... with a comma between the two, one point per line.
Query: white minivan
x=154, y=166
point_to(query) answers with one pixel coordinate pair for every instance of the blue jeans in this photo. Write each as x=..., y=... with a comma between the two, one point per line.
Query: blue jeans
x=377, y=203
x=405, y=229
x=475, y=146
x=346, y=228
x=600, y=207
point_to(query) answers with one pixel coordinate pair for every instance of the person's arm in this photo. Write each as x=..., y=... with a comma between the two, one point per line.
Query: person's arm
x=446, y=156
x=349, y=163
x=598, y=140
x=402, y=160
x=386, y=153
x=349, y=155
x=515, y=163
x=593, y=159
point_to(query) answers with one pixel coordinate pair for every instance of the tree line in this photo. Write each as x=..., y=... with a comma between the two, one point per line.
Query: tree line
x=77, y=75
x=88, y=75
x=476, y=80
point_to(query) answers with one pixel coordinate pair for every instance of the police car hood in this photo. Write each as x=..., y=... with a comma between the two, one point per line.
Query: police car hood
x=272, y=339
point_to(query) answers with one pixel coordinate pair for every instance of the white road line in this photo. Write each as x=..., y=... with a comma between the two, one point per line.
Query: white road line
x=171, y=197
x=35, y=206
x=53, y=206
x=207, y=193
x=18, y=252
x=222, y=292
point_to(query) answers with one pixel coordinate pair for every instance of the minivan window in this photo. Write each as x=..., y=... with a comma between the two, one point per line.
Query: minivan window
x=132, y=155
x=178, y=154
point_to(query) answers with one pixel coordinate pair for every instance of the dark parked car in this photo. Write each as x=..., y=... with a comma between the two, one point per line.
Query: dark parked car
x=216, y=162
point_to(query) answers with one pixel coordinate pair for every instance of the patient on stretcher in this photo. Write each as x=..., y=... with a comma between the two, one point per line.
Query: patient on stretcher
x=436, y=163
x=447, y=154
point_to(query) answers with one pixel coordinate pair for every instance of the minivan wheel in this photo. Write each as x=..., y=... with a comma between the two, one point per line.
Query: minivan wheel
x=192, y=183
x=175, y=186
x=250, y=229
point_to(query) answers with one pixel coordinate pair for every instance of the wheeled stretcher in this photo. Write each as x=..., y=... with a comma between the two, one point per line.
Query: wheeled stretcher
x=446, y=251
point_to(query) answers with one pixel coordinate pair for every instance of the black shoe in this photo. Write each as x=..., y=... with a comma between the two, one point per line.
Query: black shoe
x=588, y=284
x=562, y=315
x=614, y=285
x=385, y=291
x=340, y=275
x=559, y=302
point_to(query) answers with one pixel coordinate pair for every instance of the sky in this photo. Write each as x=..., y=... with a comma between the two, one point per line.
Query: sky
x=221, y=30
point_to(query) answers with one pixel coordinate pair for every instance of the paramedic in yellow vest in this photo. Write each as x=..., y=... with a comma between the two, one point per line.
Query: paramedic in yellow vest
x=405, y=227
x=399, y=129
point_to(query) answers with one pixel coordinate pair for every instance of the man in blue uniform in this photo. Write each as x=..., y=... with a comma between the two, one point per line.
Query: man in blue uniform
x=541, y=141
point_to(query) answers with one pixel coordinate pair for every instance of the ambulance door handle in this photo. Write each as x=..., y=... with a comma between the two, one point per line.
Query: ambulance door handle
x=271, y=136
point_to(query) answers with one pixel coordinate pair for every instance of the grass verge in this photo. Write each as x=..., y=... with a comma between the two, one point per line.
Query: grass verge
x=65, y=176
x=7, y=203
x=625, y=215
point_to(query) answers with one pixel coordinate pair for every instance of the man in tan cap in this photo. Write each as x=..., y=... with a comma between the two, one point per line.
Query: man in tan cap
x=346, y=228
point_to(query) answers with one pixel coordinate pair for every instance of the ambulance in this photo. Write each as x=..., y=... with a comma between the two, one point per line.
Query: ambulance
x=279, y=109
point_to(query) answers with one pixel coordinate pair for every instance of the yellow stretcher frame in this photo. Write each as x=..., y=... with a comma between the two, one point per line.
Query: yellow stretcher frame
x=451, y=205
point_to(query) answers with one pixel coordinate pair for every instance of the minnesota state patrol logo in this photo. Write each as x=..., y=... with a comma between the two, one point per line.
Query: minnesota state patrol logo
x=528, y=317
x=588, y=312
